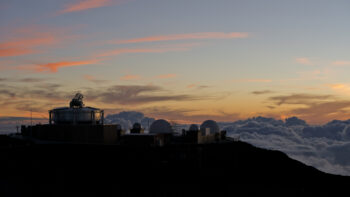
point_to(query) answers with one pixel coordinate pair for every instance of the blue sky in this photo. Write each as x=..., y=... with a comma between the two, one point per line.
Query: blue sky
x=214, y=53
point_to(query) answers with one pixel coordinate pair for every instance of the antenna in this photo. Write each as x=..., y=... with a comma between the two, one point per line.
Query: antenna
x=31, y=111
x=31, y=117
x=77, y=101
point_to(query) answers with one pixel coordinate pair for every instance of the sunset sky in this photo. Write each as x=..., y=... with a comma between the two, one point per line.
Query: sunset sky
x=181, y=60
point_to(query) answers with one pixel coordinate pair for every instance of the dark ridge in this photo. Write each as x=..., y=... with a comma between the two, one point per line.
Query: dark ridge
x=174, y=170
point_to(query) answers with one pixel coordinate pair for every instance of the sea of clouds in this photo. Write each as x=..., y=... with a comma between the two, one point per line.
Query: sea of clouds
x=127, y=118
x=325, y=147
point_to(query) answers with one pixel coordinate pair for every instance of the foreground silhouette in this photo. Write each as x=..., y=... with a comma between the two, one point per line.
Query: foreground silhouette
x=173, y=170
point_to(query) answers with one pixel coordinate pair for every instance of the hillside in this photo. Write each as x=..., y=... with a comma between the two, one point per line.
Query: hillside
x=174, y=170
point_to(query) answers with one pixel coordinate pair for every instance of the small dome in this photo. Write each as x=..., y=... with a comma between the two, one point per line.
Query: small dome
x=194, y=127
x=136, y=126
x=211, y=125
x=160, y=126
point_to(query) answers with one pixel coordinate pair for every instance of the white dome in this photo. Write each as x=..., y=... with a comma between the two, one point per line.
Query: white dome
x=160, y=126
x=210, y=125
x=194, y=127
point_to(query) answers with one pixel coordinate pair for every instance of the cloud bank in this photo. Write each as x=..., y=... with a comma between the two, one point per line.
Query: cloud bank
x=135, y=95
x=325, y=147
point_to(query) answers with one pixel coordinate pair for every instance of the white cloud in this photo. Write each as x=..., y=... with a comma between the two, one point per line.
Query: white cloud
x=325, y=147
x=127, y=118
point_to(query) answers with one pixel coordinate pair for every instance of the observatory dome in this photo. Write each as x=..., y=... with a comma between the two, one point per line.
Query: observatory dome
x=194, y=127
x=210, y=125
x=160, y=126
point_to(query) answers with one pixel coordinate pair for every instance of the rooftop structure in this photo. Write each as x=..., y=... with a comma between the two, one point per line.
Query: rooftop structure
x=80, y=124
x=76, y=113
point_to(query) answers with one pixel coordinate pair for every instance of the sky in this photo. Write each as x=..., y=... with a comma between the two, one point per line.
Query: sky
x=183, y=60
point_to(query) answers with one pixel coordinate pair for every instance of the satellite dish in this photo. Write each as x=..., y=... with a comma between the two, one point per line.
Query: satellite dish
x=194, y=127
x=210, y=125
x=160, y=126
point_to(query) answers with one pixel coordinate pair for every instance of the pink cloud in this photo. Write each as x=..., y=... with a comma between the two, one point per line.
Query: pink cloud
x=22, y=46
x=89, y=4
x=85, y=5
x=166, y=76
x=28, y=39
x=305, y=61
x=14, y=52
x=259, y=80
x=191, y=85
x=40, y=39
x=341, y=63
x=190, y=36
x=89, y=77
x=130, y=77
x=94, y=79
x=141, y=50
x=252, y=80
x=54, y=66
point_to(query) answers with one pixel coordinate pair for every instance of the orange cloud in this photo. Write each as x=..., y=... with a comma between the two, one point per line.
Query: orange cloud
x=30, y=42
x=191, y=85
x=305, y=61
x=89, y=77
x=14, y=52
x=337, y=86
x=190, y=36
x=141, y=50
x=24, y=46
x=166, y=76
x=259, y=80
x=340, y=88
x=93, y=79
x=53, y=67
x=86, y=4
x=24, y=40
x=252, y=80
x=341, y=63
x=130, y=77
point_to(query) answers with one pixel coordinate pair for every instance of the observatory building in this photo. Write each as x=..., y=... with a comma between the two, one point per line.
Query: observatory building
x=76, y=113
x=76, y=123
x=80, y=124
x=208, y=132
x=160, y=134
